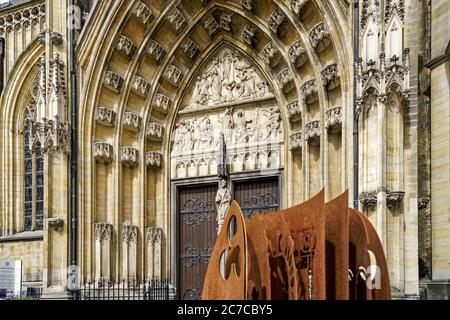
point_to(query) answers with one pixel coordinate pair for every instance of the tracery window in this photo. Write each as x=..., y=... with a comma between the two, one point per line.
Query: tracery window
x=33, y=184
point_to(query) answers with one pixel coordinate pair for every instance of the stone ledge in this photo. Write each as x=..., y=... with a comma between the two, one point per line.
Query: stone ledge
x=24, y=236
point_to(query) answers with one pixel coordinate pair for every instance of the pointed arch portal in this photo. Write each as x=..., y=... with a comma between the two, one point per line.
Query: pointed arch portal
x=167, y=78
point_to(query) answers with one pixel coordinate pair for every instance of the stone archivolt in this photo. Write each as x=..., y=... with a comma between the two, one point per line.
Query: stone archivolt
x=132, y=121
x=156, y=51
x=312, y=132
x=319, y=37
x=162, y=102
x=105, y=116
x=155, y=132
x=334, y=119
x=126, y=47
x=143, y=13
x=141, y=86
x=153, y=160
x=103, y=152
x=310, y=91
x=294, y=111
x=296, y=141
x=113, y=81
x=129, y=157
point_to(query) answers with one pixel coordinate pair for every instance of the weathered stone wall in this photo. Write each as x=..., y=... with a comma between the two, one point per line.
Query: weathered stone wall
x=30, y=252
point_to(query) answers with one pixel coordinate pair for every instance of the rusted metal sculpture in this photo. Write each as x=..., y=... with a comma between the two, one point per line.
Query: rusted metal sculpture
x=314, y=251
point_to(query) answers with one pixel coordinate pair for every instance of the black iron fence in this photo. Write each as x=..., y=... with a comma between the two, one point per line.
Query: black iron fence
x=124, y=290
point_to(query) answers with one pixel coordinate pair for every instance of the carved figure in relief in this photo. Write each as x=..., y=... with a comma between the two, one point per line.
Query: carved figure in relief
x=275, y=123
x=240, y=131
x=227, y=122
x=223, y=201
x=208, y=134
x=197, y=133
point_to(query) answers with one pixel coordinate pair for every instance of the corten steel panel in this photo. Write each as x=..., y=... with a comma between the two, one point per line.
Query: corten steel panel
x=197, y=220
x=383, y=292
x=336, y=246
x=231, y=283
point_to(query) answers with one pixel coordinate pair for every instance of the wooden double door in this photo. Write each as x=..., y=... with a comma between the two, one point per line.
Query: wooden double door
x=196, y=212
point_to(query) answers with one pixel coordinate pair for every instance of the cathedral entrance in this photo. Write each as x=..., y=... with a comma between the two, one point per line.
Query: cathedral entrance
x=227, y=143
x=197, y=225
x=197, y=219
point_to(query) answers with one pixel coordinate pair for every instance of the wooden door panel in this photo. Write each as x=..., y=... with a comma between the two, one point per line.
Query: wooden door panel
x=197, y=218
x=257, y=196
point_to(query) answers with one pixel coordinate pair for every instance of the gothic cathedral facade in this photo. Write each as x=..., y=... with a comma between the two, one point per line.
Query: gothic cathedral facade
x=293, y=96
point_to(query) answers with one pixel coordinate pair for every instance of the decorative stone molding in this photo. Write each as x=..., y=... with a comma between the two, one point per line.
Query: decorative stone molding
x=423, y=203
x=105, y=116
x=173, y=75
x=154, y=242
x=52, y=136
x=297, y=54
x=113, y=81
x=211, y=26
x=129, y=157
x=319, y=37
x=156, y=51
x=392, y=7
x=132, y=121
x=103, y=153
x=155, y=132
x=143, y=13
x=268, y=53
x=393, y=198
x=294, y=110
x=226, y=20
x=247, y=4
x=190, y=48
x=140, y=86
x=153, y=160
x=334, y=119
x=285, y=80
x=55, y=37
x=129, y=233
x=176, y=19
x=275, y=20
x=162, y=102
x=310, y=91
x=330, y=76
x=370, y=9
x=368, y=199
x=57, y=90
x=297, y=5
x=249, y=35
x=103, y=231
x=253, y=137
x=55, y=224
x=31, y=15
x=312, y=132
x=126, y=47
x=296, y=141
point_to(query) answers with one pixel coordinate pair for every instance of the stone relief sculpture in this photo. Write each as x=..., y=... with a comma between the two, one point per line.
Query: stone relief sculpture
x=227, y=78
x=223, y=202
x=229, y=98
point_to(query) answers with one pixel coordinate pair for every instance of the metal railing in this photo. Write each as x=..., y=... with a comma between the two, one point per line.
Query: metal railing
x=125, y=290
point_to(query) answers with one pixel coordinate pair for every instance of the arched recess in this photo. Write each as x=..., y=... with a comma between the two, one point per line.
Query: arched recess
x=16, y=96
x=129, y=127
